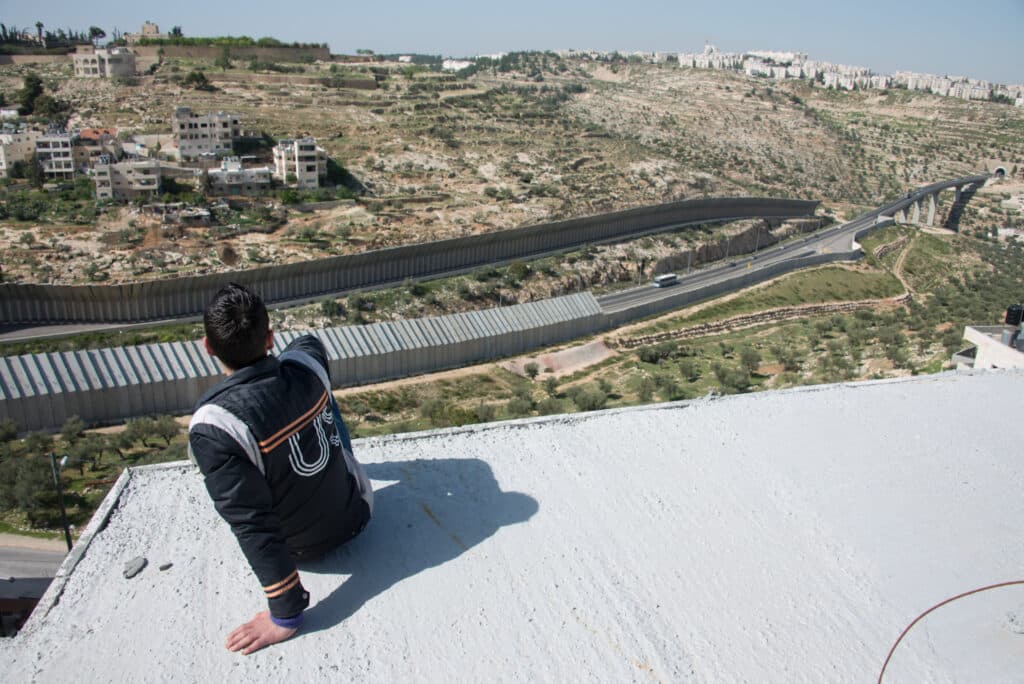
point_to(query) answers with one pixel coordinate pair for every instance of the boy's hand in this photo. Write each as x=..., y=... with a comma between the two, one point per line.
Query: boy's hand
x=257, y=633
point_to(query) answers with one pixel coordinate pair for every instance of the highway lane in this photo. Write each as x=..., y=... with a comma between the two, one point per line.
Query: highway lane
x=18, y=561
x=834, y=239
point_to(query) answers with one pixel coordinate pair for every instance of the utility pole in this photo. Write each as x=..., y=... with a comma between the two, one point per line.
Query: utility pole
x=60, y=497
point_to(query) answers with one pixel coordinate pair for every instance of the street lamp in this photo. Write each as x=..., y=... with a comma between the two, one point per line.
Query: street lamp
x=60, y=496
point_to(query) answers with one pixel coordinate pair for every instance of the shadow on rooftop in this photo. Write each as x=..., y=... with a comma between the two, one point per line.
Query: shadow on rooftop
x=434, y=511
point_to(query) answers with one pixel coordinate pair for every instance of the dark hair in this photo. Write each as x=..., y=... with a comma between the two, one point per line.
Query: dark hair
x=236, y=326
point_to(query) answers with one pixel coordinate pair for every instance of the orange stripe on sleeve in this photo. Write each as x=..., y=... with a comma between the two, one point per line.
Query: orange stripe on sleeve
x=287, y=579
x=284, y=589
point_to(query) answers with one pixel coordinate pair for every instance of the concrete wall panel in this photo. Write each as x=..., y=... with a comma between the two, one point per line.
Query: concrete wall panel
x=186, y=296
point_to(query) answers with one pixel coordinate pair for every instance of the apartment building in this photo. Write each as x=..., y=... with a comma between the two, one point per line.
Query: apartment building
x=92, y=62
x=126, y=181
x=54, y=155
x=232, y=179
x=205, y=135
x=91, y=143
x=300, y=163
x=16, y=146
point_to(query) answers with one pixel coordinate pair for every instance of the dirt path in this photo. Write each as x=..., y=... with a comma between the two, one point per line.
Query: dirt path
x=897, y=268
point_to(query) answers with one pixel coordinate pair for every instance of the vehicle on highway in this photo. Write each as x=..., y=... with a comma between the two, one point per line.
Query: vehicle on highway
x=666, y=279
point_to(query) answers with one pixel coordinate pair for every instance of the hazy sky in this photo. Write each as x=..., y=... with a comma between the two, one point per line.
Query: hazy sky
x=981, y=40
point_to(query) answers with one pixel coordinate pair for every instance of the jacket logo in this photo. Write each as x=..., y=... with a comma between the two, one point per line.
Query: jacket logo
x=298, y=459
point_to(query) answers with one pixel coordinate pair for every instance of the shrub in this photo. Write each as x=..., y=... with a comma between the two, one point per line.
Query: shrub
x=590, y=398
x=485, y=413
x=518, y=406
x=8, y=430
x=689, y=369
x=750, y=358
x=550, y=406
x=658, y=352
x=332, y=308
x=531, y=369
x=72, y=429
x=732, y=378
x=645, y=390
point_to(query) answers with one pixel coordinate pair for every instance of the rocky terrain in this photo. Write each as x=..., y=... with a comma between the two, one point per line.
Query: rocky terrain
x=442, y=156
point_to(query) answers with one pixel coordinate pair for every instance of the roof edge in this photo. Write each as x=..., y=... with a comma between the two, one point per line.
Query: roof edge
x=96, y=524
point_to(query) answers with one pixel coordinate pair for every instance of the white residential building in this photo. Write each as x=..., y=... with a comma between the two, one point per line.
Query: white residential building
x=54, y=154
x=112, y=62
x=126, y=181
x=205, y=135
x=301, y=163
x=232, y=179
x=14, y=147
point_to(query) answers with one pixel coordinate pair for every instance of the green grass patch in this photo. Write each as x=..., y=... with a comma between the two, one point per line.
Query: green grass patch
x=928, y=263
x=881, y=237
x=820, y=285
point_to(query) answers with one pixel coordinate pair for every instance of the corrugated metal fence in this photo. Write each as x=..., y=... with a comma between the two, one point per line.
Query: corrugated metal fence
x=41, y=391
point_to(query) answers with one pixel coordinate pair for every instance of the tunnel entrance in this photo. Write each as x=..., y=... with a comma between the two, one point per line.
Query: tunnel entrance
x=1000, y=172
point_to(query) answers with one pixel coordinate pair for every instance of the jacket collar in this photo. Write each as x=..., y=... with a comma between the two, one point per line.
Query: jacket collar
x=266, y=366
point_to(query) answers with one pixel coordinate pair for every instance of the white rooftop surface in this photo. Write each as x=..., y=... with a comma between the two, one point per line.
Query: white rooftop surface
x=774, y=537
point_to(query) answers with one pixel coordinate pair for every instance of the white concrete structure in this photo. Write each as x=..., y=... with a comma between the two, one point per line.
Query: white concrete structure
x=91, y=62
x=53, y=153
x=774, y=537
x=126, y=181
x=232, y=179
x=16, y=146
x=204, y=135
x=9, y=113
x=300, y=163
x=456, y=64
x=992, y=348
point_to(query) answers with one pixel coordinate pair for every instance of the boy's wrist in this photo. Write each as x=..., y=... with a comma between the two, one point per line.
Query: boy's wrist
x=293, y=622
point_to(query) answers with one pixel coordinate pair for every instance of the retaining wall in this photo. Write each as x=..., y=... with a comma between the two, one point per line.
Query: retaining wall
x=34, y=59
x=180, y=297
x=283, y=54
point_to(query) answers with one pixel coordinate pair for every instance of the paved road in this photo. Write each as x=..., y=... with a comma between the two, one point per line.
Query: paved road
x=835, y=239
x=16, y=561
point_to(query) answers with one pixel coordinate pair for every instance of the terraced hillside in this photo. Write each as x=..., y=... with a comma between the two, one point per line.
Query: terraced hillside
x=531, y=139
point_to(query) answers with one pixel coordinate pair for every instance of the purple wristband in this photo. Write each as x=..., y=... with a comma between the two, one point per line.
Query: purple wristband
x=293, y=622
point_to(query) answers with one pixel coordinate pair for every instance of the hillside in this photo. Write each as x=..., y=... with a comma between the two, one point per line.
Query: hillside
x=442, y=155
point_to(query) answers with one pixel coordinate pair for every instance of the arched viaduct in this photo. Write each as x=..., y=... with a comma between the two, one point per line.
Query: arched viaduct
x=964, y=188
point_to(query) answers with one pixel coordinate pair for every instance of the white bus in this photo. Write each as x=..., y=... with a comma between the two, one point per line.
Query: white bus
x=666, y=279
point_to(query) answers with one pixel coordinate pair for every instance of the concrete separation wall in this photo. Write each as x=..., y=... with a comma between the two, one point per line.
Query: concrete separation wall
x=41, y=391
x=179, y=297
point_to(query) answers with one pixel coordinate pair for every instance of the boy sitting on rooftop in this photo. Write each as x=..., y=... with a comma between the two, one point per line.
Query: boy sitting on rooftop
x=276, y=458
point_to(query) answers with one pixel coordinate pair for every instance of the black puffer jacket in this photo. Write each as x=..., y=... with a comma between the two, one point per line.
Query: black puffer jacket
x=278, y=465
